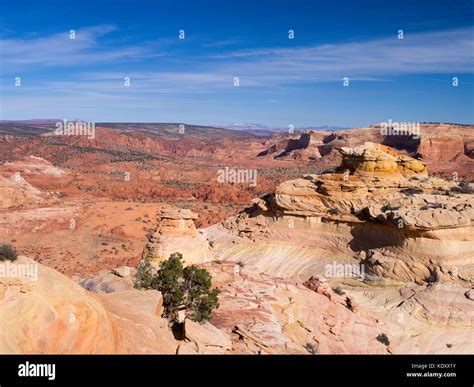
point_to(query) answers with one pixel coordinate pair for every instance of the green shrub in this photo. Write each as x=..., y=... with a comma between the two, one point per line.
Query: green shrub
x=144, y=275
x=311, y=348
x=383, y=338
x=181, y=287
x=168, y=280
x=200, y=300
x=339, y=291
x=7, y=253
x=411, y=191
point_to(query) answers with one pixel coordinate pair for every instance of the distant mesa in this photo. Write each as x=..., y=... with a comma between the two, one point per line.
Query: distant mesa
x=446, y=149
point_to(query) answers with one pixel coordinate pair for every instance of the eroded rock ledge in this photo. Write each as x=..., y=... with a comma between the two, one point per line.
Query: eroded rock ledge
x=381, y=209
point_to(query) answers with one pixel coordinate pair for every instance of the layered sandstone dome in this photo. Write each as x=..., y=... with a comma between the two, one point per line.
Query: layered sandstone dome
x=176, y=232
x=376, y=158
x=49, y=314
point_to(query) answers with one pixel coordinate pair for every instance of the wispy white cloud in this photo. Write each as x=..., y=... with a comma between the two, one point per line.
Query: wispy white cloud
x=430, y=52
x=60, y=50
x=443, y=52
x=448, y=52
x=222, y=43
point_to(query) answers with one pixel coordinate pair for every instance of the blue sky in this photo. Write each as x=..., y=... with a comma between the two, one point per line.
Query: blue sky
x=282, y=81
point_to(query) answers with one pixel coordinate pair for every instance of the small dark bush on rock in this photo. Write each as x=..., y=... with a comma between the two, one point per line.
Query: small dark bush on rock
x=383, y=338
x=7, y=253
x=339, y=291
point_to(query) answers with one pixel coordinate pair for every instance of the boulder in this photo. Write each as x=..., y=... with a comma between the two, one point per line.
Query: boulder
x=206, y=335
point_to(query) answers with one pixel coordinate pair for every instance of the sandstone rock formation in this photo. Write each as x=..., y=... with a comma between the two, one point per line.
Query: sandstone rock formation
x=176, y=232
x=15, y=191
x=419, y=224
x=447, y=149
x=269, y=315
x=304, y=148
x=33, y=165
x=375, y=158
x=51, y=314
x=110, y=281
x=204, y=338
x=258, y=314
x=404, y=229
